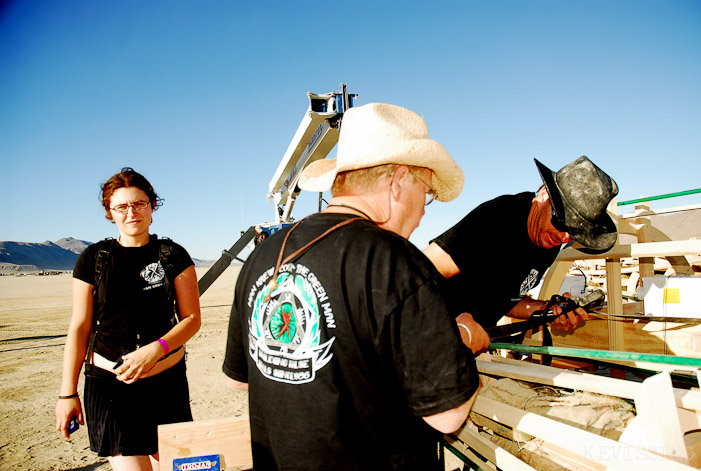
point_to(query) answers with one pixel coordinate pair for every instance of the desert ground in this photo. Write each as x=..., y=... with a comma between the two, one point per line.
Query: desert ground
x=34, y=316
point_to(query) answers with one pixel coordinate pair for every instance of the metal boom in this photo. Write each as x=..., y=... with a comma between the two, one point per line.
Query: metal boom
x=316, y=135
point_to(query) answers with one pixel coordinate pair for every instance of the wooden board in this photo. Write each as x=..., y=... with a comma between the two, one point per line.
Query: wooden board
x=540, y=374
x=693, y=443
x=687, y=402
x=641, y=336
x=647, y=249
x=230, y=438
x=656, y=426
x=494, y=453
x=589, y=446
x=469, y=454
x=616, y=339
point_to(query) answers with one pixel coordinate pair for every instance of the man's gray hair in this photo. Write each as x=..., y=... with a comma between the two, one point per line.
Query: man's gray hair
x=365, y=179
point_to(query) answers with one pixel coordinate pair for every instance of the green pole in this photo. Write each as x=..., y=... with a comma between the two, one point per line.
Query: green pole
x=660, y=197
x=473, y=466
x=599, y=354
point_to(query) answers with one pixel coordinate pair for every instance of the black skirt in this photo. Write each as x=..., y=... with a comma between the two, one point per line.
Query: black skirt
x=124, y=418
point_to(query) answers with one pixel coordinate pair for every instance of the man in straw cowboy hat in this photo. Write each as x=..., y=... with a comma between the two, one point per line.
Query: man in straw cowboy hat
x=502, y=248
x=333, y=324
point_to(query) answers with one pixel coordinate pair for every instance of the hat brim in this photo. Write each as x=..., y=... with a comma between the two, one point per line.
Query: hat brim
x=447, y=179
x=597, y=237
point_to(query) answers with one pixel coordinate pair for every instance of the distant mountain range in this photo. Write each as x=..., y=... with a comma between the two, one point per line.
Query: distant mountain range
x=27, y=257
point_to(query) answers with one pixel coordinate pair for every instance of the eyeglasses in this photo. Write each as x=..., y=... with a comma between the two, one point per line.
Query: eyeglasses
x=135, y=206
x=430, y=194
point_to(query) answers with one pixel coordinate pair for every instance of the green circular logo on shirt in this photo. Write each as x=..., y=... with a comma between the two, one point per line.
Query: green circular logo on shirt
x=282, y=323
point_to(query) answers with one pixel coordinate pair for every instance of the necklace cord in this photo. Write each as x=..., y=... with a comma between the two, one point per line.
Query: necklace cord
x=273, y=282
x=341, y=205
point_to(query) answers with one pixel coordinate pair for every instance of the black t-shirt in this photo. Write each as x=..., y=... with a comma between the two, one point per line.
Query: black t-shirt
x=355, y=345
x=498, y=262
x=132, y=302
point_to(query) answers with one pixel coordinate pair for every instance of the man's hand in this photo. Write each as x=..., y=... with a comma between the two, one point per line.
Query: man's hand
x=569, y=320
x=472, y=334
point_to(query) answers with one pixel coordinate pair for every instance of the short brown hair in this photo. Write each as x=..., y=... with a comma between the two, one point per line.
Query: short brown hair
x=127, y=178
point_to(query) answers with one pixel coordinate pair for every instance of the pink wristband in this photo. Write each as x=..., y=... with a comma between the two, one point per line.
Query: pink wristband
x=164, y=344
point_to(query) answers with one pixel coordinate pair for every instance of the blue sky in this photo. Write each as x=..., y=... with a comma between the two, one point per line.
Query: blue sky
x=203, y=97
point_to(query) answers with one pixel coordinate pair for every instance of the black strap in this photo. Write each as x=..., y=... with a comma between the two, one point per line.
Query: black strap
x=273, y=281
x=70, y=396
x=164, y=250
x=547, y=342
x=101, y=259
x=164, y=255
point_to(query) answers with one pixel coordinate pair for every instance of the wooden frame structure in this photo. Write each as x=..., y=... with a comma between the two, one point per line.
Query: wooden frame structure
x=666, y=431
x=618, y=334
x=654, y=439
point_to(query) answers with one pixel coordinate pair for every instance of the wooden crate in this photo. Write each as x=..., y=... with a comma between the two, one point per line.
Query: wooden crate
x=229, y=438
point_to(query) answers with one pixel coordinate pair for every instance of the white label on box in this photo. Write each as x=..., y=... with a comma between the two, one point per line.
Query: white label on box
x=672, y=296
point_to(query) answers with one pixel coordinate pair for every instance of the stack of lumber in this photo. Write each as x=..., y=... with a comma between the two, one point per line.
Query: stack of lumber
x=530, y=416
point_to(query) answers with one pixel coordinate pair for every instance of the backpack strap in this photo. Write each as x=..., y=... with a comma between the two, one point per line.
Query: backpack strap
x=165, y=249
x=101, y=261
x=103, y=254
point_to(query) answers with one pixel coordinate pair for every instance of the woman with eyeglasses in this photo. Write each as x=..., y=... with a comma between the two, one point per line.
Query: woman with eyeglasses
x=135, y=304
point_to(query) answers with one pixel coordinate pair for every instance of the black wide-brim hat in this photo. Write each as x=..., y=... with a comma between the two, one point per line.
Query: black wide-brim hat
x=580, y=193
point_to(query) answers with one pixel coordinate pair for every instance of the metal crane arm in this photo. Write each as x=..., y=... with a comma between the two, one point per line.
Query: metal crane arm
x=316, y=135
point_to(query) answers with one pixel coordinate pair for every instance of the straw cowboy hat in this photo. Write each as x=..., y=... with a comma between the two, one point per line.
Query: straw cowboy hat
x=579, y=194
x=377, y=134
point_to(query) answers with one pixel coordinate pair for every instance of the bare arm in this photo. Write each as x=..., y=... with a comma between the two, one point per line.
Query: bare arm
x=451, y=420
x=142, y=360
x=441, y=260
x=189, y=303
x=233, y=384
x=74, y=354
x=525, y=308
x=472, y=334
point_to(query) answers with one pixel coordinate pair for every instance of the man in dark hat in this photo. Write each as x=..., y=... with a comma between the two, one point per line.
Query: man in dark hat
x=502, y=248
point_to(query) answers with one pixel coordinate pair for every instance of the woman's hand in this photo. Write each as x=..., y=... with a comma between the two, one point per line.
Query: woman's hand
x=139, y=362
x=66, y=409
